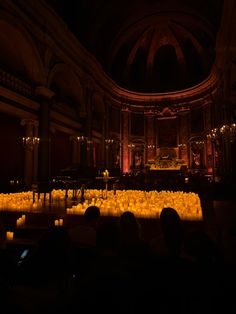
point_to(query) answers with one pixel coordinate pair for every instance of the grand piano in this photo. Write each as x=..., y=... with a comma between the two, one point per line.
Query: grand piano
x=76, y=175
x=71, y=178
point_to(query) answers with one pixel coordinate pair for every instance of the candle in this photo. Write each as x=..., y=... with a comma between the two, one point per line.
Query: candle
x=19, y=222
x=10, y=235
x=23, y=218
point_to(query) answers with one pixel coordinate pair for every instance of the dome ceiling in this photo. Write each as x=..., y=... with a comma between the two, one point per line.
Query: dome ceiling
x=148, y=46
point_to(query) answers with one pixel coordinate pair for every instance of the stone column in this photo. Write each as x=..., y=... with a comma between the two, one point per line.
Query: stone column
x=183, y=137
x=209, y=145
x=227, y=156
x=103, y=144
x=106, y=136
x=75, y=149
x=125, y=128
x=150, y=140
x=44, y=166
x=88, y=128
x=31, y=150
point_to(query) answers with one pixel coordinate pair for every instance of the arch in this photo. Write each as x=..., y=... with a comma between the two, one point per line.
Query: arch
x=18, y=52
x=66, y=84
x=98, y=104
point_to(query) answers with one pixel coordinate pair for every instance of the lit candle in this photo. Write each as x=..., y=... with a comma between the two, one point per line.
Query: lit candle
x=19, y=222
x=10, y=235
x=23, y=218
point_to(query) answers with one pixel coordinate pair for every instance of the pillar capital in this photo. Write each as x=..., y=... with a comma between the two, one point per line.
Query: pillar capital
x=44, y=92
x=29, y=122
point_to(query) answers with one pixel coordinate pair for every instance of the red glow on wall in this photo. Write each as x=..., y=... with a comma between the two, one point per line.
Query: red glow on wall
x=126, y=164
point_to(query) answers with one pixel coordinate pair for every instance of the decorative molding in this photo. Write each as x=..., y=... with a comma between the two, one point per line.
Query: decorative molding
x=44, y=91
x=9, y=94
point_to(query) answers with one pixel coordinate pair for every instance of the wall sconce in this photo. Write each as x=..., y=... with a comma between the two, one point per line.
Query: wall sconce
x=109, y=141
x=151, y=146
x=214, y=134
x=89, y=142
x=30, y=142
x=198, y=144
x=181, y=145
x=81, y=138
x=131, y=146
x=227, y=131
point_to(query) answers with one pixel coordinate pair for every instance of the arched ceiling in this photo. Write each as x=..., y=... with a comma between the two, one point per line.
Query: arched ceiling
x=148, y=46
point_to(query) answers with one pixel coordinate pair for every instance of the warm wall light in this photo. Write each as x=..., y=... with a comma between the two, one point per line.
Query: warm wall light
x=226, y=131
x=81, y=138
x=30, y=141
x=132, y=146
x=109, y=141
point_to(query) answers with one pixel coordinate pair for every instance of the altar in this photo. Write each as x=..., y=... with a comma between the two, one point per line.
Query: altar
x=166, y=168
x=166, y=164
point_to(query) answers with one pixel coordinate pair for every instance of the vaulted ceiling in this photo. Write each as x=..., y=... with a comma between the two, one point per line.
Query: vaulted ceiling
x=149, y=46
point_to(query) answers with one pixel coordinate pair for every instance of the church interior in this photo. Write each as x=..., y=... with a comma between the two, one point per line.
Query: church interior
x=129, y=107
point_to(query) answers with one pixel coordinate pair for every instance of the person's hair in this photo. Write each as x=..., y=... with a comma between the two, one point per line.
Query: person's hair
x=129, y=225
x=172, y=229
x=170, y=221
x=92, y=213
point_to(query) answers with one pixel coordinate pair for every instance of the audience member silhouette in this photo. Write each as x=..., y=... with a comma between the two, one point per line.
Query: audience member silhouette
x=131, y=239
x=43, y=281
x=187, y=257
x=49, y=258
x=84, y=234
x=170, y=242
x=101, y=288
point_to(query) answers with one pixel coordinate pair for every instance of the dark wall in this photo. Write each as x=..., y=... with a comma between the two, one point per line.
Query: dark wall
x=137, y=124
x=61, y=152
x=12, y=150
x=167, y=132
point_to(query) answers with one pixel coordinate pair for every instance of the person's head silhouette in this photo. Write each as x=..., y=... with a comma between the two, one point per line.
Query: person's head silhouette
x=171, y=228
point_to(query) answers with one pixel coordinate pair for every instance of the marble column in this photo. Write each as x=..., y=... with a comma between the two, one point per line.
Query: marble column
x=45, y=98
x=125, y=121
x=103, y=144
x=209, y=153
x=227, y=157
x=106, y=137
x=150, y=139
x=88, y=128
x=75, y=149
x=184, y=146
x=31, y=151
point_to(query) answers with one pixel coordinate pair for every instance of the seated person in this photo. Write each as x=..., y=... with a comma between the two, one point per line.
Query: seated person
x=84, y=235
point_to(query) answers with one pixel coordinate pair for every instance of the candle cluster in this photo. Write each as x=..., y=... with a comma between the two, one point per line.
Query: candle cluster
x=106, y=174
x=20, y=221
x=16, y=201
x=24, y=201
x=141, y=203
x=58, y=222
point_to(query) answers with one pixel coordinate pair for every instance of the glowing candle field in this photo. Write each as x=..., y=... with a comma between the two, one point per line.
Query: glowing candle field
x=141, y=203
